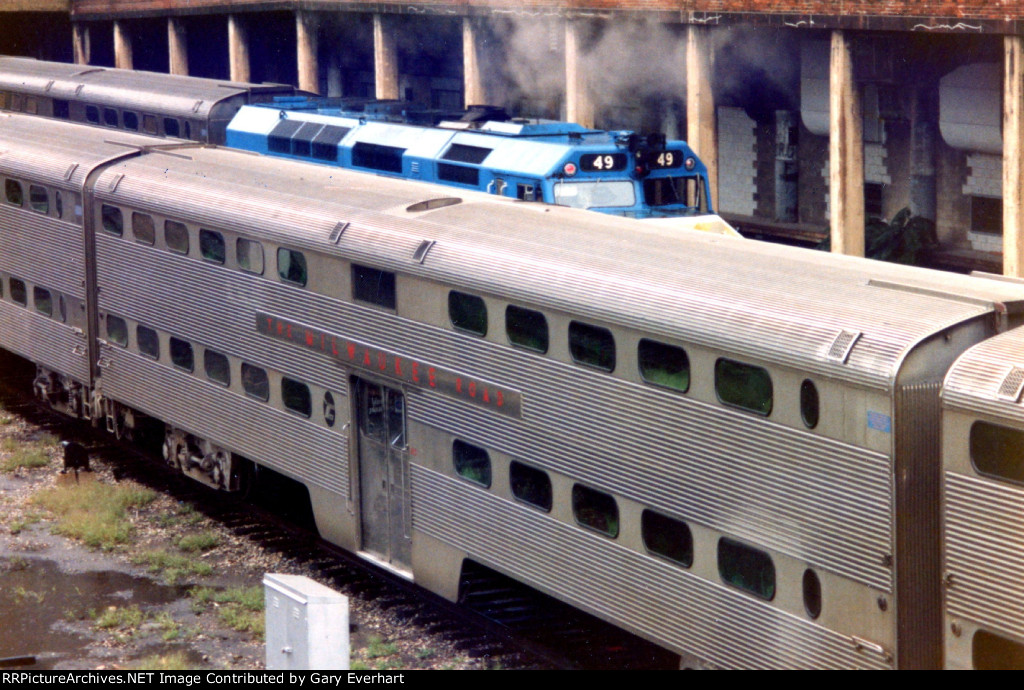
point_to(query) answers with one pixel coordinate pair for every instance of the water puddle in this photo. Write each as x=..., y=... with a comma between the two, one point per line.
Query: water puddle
x=51, y=615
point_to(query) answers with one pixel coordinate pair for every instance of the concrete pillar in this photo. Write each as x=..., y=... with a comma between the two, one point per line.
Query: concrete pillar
x=579, y=103
x=846, y=151
x=307, y=45
x=238, y=49
x=923, y=117
x=1013, y=156
x=385, y=58
x=474, y=88
x=80, y=43
x=334, y=81
x=177, y=46
x=701, y=121
x=122, y=46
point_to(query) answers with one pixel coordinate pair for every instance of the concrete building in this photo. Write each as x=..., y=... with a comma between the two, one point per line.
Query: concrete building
x=813, y=115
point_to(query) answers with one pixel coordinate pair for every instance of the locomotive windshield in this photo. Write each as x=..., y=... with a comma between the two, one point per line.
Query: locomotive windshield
x=595, y=194
x=664, y=191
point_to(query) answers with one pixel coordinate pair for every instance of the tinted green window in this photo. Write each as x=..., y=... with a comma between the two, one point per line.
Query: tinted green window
x=43, y=301
x=667, y=537
x=296, y=397
x=176, y=236
x=291, y=266
x=143, y=228
x=991, y=652
x=250, y=256
x=117, y=331
x=255, y=382
x=472, y=463
x=746, y=568
x=592, y=346
x=38, y=198
x=526, y=328
x=468, y=313
x=373, y=286
x=530, y=485
x=997, y=451
x=809, y=404
x=217, y=367
x=181, y=354
x=149, y=342
x=743, y=385
x=113, y=221
x=595, y=510
x=19, y=293
x=12, y=190
x=211, y=246
x=664, y=365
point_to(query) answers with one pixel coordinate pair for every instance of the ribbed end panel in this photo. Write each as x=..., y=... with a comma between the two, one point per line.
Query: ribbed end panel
x=277, y=439
x=655, y=599
x=918, y=589
x=984, y=540
x=980, y=379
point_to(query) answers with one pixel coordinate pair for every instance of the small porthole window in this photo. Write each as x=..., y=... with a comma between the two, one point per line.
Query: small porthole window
x=667, y=537
x=181, y=354
x=472, y=463
x=176, y=236
x=530, y=485
x=468, y=313
x=812, y=593
x=809, y=403
x=117, y=330
x=255, y=382
x=592, y=346
x=113, y=220
x=211, y=246
x=296, y=397
x=743, y=385
x=526, y=328
x=595, y=510
x=746, y=568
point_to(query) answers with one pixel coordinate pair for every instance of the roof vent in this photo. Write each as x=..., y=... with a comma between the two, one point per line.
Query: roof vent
x=337, y=232
x=840, y=349
x=1010, y=388
x=420, y=255
x=431, y=204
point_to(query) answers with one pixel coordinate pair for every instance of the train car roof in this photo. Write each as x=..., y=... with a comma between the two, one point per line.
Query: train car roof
x=767, y=302
x=171, y=94
x=988, y=378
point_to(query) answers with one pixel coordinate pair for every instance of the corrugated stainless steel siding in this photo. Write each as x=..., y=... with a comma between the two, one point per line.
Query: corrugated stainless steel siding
x=43, y=251
x=649, y=596
x=280, y=440
x=984, y=537
x=42, y=340
x=973, y=381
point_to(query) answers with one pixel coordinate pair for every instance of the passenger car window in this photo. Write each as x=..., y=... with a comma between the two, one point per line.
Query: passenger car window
x=526, y=328
x=250, y=255
x=595, y=510
x=530, y=485
x=211, y=246
x=13, y=192
x=743, y=385
x=746, y=568
x=176, y=236
x=117, y=330
x=19, y=293
x=472, y=463
x=467, y=313
x=996, y=450
x=217, y=367
x=296, y=397
x=592, y=346
x=255, y=382
x=149, y=342
x=38, y=198
x=291, y=266
x=143, y=228
x=667, y=537
x=373, y=286
x=43, y=301
x=181, y=354
x=113, y=220
x=664, y=365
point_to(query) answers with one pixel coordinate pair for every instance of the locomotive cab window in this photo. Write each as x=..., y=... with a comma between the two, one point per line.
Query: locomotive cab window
x=667, y=537
x=143, y=228
x=595, y=510
x=13, y=192
x=472, y=463
x=255, y=382
x=291, y=266
x=664, y=365
x=117, y=330
x=746, y=568
x=530, y=485
x=176, y=236
x=373, y=286
x=468, y=313
x=526, y=328
x=113, y=220
x=211, y=246
x=592, y=346
x=743, y=385
x=181, y=354
x=43, y=300
x=996, y=451
x=296, y=397
x=38, y=198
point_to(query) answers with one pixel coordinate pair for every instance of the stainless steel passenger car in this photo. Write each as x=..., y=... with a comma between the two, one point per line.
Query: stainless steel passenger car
x=983, y=505
x=729, y=448
x=146, y=102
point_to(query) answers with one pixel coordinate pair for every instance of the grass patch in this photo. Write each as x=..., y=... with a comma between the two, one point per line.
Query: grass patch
x=172, y=567
x=204, y=541
x=26, y=456
x=239, y=608
x=17, y=526
x=95, y=513
x=120, y=618
x=184, y=514
x=377, y=648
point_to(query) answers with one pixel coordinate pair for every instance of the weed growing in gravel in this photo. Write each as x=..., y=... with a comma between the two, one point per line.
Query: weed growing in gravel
x=376, y=647
x=120, y=621
x=17, y=525
x=172, y=567
x=94, y=512
x=204, y=541
x=239, y=608
x=184, y=514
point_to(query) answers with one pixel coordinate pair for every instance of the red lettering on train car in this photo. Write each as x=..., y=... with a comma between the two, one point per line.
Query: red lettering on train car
x=280, y=328
x=270, y=324
x=382, y=361
x=366, y=359
x=416, y=372
x=487, y=398
x=334, y=346
x=351, y=351
x=500, y=398
x=472, y=389
x=289, y=331
x=431, y=372
x=458, y=384
x=309, y=338
x=398, y=367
